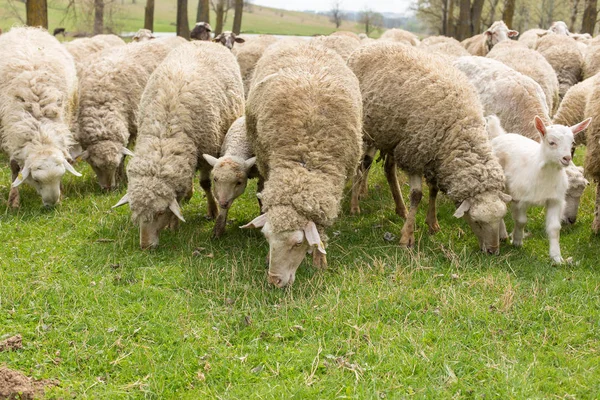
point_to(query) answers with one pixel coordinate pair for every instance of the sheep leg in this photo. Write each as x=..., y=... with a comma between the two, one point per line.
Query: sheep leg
x=13, y=196
x=431, y=219
x=596, y=223
x=503, y=234
x=553, y=213
x=220, y=223
x=416, y=194
x=319, y=260
x=205, y=185
x=259, y=188
x=367, y=161
x=356, y=185
x=519, y=214
x=390, y=173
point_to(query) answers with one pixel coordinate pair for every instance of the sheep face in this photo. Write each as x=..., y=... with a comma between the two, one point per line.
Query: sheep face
x=150, y=230
x=228, y=39
x=201, y=31
x=230, y=177
x=105, y=159
x=499, y=32
x=484, y=213
x=559, y=28
x=557, y=141
x=577, y=184
x=143, y=35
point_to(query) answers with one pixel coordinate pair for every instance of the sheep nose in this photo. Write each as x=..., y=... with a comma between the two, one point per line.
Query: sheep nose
x=567, y=159
x=224, y=204
x=276, y=280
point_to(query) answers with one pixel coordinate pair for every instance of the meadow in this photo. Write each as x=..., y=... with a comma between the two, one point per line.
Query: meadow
x=196, y=317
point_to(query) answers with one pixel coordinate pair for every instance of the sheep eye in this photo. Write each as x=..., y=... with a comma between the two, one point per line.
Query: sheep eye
x=239, y=183
x=552, y=143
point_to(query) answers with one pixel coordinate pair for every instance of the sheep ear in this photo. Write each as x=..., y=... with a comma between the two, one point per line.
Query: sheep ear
x=257, y=222
x=539, y=125
x=312, y=236
x=249, y=163
x=70, y=168
x=239, y=40
x=174, y=207
x=124, y=200
x=504, y=197
x=127, y=152
x=488, y=33
x=581, y=126
x=464, y=207
x=542, y=34
x=512, y=33
x=212, y=161
x=21, y=177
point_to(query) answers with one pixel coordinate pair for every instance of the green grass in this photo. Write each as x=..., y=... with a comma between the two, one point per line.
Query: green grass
x=440, y=321
x=130, y=18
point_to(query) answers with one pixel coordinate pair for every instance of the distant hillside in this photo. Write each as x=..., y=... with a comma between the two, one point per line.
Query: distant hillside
x=130, y=17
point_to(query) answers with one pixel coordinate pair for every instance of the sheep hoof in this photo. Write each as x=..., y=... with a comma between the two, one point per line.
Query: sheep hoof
x=13, y=199
x=434, y=228
x=401, y=212
x=407, y=240
x=355, y=210
x=517, y=243
x=557, y=260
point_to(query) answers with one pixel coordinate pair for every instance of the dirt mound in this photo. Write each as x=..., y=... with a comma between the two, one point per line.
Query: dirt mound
x=15, y=385
x=12, y=343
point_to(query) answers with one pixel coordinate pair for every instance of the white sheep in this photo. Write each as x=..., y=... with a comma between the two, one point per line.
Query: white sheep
x=564, y=56
x=143, y=35
x=535, y=175
x=480, y=45
x=38, y=92
x=228, y=39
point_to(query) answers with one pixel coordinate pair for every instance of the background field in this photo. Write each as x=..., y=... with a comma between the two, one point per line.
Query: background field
x=130, y=18
x=197, y=319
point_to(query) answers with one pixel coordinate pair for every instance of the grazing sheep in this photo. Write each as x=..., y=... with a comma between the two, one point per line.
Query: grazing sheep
x=559, y=28
x=174, y=132
x=431, y=40
x=535, y=175
x=232, y=170
x=228, y=39
x=201, y=31
x=143, y=35
x=564, y=56
x=341, y=44
x=83, y=48
x=591, y=63
x=432, y=126
x=303, y=118
x=532, y=64
x=592, y=155
x=515, y=98
x=110, y=92
x=480, y=45
x=447, y=49
x=573, y=106
x=38, y=91
x=400, y=35
x=249, y=54
x=347, y=34
x=530, y=37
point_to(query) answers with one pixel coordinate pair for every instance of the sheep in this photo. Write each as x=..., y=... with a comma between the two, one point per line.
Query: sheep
x=559, y=28
x=592, y=155
x=228, y=39
x=480, y=45
x=347, y=34
x=249, y=54
x=562, y=53
x=143, y=35
x=530, y=63
x=201, y=31
x=341, y=44
x=231, y=171
x=110, y=91
x=512, y=96
x=38, y=92
x=573, y=106
x=81, y=49
x=446, y=49
x=591, y=63
x=431, y=126
x=400, y=35
x=431, y=40
x=535, y=175
x=303, y=119
x=530, y=37
x=174, y=131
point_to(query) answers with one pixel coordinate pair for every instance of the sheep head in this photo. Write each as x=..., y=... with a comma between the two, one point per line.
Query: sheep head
x=228, y=39
x=105, y=158
x=230, y=177
x=499, y=32
x=577, y=184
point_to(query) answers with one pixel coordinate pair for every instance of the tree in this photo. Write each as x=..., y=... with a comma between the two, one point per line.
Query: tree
x=149, y=15
x=183, y=29
x=476, y=10
x=372, y=20
x=589, y=17
x=220, y=11
x=336, y=13
x=464, y=20
x=574, y=10
x=203, y=14
x=508, y=13
x=237, y=16
x=37, y=13
x=98, y=17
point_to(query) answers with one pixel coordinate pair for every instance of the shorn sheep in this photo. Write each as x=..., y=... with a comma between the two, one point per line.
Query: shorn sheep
x=532, y=64
x=231, y=171
x=249, y=54
x=174, y=132
x=38, y=91
x=480, y=45
x=563, y=54
x=432, y=126
x=110, y=92
x=303, y=118
x=535, y=175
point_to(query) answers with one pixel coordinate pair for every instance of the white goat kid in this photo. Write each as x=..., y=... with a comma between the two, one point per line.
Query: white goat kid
x=535, y=175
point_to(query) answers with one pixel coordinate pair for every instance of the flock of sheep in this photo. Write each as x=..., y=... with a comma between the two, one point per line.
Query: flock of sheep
x=305, y=117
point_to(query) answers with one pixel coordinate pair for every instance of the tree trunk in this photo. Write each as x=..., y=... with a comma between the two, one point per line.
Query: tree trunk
x=476, y=10
x=508, y=13
x=451, y=25
x=37, y=13
x=464, y=20
x=574, y=10
x=237, y=17
x=98, y=17
x=589, y=17
x=149, y=15
x=183, y=28
x=492, y=16
x=220, y=16
x=444, y=30
x=203, y=14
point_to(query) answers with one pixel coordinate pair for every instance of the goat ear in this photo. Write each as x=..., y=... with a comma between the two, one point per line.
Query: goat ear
x=512, y=33
x=257, y=222
x=21, y=177
x=539, y=125
x=312, y=237
x=464, y=207
x=239, y=40
x=581, y=126
x=212, y=161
